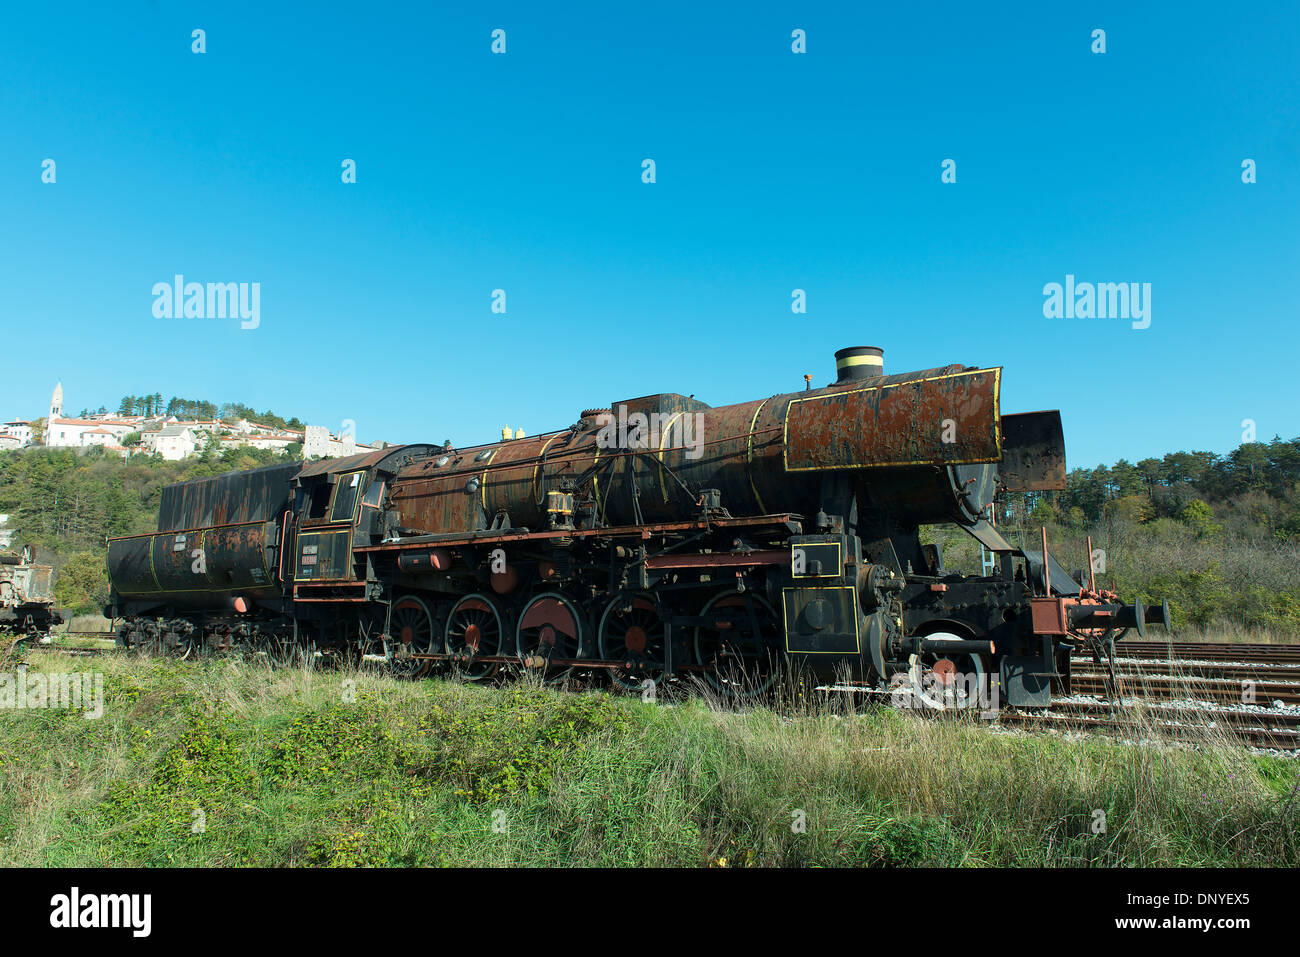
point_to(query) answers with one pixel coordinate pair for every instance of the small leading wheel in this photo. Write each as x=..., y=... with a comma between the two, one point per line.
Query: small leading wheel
x=947, y=681
x=739, y=644
x=474, y=630
x=550, y=628
x=632, y=632
x=411, y=631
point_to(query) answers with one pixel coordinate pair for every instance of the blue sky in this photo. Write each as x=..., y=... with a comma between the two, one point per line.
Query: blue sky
x=775, y=171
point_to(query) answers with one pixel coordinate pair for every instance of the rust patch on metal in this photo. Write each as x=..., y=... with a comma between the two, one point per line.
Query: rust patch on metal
x=1033, y=452
x=1049, y=616
x=947, y=419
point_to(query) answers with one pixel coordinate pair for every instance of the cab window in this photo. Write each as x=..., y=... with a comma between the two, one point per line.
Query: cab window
x=320, y=500
x=374, y=496
x=346, y=495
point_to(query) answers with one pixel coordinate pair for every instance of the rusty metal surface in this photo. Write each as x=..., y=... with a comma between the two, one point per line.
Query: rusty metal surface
x=623, y=531
x=1049, y=616
x=256, y=495
x=761, y=455
x=779, y=556
x=1033, y=452
x=701, y=507
x=738, y=452
x=129, y=568
x=173, y=566
x=236, y=558
x=392, y=457
x=40, y=586
x=24, y=582
x=946, y=419
x=324, y=555
x=189, y=565
x=232, y=520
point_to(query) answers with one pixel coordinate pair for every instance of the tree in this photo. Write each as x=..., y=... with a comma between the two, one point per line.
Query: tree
x=1130, y=509
x=1283, y=466
x=1088, y=490
x=1043, y=513
x=1197, y=516
x=1152, y=472
x=1125, y=479
x=82, y=583
x=1246, y=468
x=1188, y=467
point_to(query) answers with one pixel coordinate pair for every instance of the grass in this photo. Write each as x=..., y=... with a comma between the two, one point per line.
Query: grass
x=87, y=623
x=1224, y=632
x=221, y=763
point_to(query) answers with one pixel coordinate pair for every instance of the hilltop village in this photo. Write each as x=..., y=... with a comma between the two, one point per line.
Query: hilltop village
x=169, y=436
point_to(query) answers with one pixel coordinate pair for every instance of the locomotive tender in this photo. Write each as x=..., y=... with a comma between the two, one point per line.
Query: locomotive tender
x=658, y=537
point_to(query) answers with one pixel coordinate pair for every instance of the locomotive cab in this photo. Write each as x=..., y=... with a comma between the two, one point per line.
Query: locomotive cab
x=338, y=507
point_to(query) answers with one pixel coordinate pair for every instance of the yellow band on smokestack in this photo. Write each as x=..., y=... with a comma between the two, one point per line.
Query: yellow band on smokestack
x=860, y=361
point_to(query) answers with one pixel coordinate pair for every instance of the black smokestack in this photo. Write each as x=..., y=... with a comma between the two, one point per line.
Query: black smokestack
x=859, y=362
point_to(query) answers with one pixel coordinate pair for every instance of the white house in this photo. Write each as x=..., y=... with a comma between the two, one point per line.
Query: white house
x=166, y=435
x=100, y=436
x=320, y=444
x=210, y=426
x=71, y=433
x=19, y=429
x=273, y=440
x=172, y=442
x=66, y=433
x=253, y=428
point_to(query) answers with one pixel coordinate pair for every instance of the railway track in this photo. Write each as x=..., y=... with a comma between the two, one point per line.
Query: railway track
x=55, y=642
x=1251, y=691
x=1158, y=670
x=1209, y=651
x=1216, y=690
x=1180, y=690
x=1278, y=732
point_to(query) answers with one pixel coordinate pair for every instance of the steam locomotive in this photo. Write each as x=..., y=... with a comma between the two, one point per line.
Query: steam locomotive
x=655, y=539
